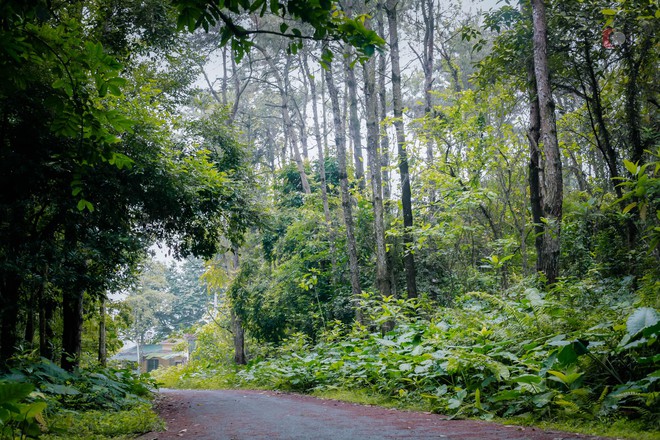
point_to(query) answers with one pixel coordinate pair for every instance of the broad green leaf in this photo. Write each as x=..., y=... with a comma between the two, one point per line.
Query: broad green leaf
x=641, y=319
x=386, y=342
x=14, y=391
x=631, y=167
x=527, y=378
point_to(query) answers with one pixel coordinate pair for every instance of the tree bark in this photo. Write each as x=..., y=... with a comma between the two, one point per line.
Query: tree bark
x=72, y=323
x=354, y=122
x=46, y=333
x=382, y=273
x=103, y=352
x=406, y=196
x=550, y=169
x=340, y=141
x=282, y=82
x=9, y=295
x=382, y=101
x=237, y=325
x=319, y=144
x=533, y=136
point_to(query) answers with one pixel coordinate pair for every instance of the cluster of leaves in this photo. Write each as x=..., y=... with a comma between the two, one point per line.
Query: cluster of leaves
x=16, y=415
x=42, y=397
x=583, y=356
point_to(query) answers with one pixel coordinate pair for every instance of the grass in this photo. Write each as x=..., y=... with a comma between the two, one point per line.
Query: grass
x=103, y=425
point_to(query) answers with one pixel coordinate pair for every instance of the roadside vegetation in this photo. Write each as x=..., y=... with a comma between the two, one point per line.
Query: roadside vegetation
x=588, y=362
x=41, y=400
x=412, y=203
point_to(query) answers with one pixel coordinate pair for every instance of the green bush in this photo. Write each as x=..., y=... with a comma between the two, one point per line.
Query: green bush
x=528, y=353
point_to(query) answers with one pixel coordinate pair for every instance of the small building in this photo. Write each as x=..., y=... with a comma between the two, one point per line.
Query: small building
x=153, y=356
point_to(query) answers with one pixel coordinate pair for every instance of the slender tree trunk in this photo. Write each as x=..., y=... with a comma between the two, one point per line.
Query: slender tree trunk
x=46, y=333
x=428, y=7
x=534, y=135
x=72, y=310
x=139, y=357
x=382, y=100
x=319, y=144
x=382, y=273
x=29, y=326
x=72, y=323
x=354, y=121
x=406, y=196
x=282, y=83
x=9, y=295
x=237, y=325
x=324, y=118
x=340, y=141
x=551, y=173
x=103, y=353
x=224, y=76
x=600, y=130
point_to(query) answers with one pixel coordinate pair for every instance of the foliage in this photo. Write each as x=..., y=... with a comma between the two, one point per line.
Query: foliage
x=100, y=388
x=101, y=425
x=41, y=398
x=525, y=353
x=17, y=416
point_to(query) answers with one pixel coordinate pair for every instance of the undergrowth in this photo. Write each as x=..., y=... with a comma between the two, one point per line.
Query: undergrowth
x=584, y=355
x=41, y=400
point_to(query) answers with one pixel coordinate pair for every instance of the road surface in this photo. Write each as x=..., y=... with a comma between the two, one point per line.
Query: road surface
x=261, y=415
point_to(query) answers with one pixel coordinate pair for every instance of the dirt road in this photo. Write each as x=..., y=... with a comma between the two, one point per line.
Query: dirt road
x=256, y=415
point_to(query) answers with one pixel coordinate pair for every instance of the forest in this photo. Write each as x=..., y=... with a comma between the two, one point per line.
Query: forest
x=424, y=204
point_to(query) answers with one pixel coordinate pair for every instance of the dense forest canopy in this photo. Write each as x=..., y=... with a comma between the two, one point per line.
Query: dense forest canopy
x=370, y=165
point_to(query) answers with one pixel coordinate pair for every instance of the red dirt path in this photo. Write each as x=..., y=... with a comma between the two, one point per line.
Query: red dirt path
x=246, y=414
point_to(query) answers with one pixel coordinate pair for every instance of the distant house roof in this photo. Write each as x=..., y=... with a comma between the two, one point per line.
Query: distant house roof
x=149, y=351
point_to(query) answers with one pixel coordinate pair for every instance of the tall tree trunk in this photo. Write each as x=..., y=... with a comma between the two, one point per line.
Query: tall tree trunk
x=551, y=173
x=237, y=325
x=72, y=323
x=428, y=13
x=282, y=84
x=9, y=295
x=321, y=153
x=382, y=101
x=382, y=273
x=534, y=134
x=72, y=307
x=354, y=120
x=46, y=333
x=599, y=128
x=29, y=326
x=406, y=196
x=340, y=141
x=103, y=352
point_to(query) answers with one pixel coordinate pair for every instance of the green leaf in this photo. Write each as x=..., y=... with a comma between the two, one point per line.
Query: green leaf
x=35, y=409
x=631, y=167
x=629, y=207
x=14, y=391
x=61, y=390
x=641, y=319
x=386, y=342
x=608, y=12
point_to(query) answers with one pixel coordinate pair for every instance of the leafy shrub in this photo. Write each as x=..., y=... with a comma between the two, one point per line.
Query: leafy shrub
x=100, y=388
x=84, y=404
x=18, y=415
x=583, y=355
